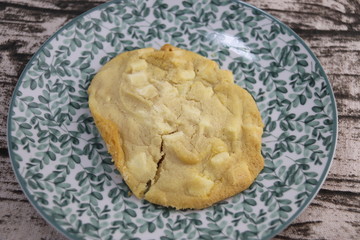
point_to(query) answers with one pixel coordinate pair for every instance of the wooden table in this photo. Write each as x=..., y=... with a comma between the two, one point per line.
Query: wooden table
x=331, y=29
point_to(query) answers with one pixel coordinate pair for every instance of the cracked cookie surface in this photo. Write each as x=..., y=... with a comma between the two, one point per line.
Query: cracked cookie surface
x=179, y=130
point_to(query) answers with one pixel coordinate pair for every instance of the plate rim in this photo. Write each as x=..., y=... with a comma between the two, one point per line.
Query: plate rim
x=18, y=176
x=335, y=126
x=69, y=235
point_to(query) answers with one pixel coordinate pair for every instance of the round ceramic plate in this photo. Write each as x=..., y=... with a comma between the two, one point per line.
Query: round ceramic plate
x=62, y=163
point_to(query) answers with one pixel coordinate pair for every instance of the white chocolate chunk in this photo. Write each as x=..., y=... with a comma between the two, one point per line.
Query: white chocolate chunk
x=191, y=112
x=232, y=130
x=219, y=159
x=164, y=111
x=174, y=137
x=175, y=142
x=218, y=146
x=138, y=79
x=232, y=174
x=139, y=65
x=148, y=91
x=183, y=88
x=168, y=90
x=140, y=166
x=198, y=91
x=200, y=186
x=205, y=126
x=164, y=127
x=206, y=92
x=186, y=75
x=184, y=155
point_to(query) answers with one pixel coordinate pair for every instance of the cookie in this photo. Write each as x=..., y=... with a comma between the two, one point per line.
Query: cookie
x=180, y=131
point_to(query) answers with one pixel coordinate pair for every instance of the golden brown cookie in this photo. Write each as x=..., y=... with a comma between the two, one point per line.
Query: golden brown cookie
x=179, y=130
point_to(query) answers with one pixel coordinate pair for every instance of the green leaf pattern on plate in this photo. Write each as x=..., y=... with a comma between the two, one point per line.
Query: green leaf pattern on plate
x=64, y=164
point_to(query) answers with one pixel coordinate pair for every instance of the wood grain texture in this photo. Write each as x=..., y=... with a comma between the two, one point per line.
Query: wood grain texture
x=330, y=28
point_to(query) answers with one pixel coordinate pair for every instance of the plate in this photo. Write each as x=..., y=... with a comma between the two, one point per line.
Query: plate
x=62, y=163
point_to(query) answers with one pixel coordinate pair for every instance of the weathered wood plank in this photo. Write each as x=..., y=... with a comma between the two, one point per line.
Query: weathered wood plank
x=321, y=15
x=60, y=7
x=21, y=221
x=323, y=212
x=312, y=14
